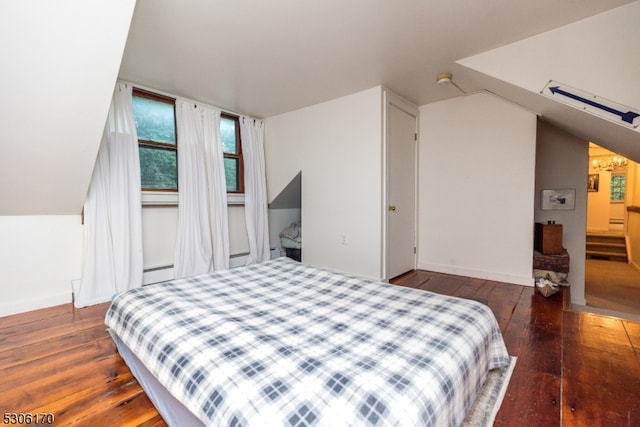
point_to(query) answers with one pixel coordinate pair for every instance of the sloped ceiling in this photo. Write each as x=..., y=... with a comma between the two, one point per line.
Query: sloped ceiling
x=595, y=55
x=263, y=58
x=291, y=196
x=60, y=61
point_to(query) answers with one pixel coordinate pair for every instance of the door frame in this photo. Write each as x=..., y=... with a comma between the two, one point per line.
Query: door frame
x=391, y=99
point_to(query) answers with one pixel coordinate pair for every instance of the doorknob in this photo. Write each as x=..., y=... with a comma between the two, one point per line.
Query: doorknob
x=392, y=208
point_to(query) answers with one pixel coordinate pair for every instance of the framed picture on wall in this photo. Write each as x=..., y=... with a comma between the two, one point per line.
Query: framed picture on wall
x=563, y=199
x=593, y=182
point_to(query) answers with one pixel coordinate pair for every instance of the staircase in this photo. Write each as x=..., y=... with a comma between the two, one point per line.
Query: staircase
x=609, y=246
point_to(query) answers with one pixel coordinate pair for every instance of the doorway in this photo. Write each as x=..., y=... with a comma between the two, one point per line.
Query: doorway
x=611, y=283
x=400, y=190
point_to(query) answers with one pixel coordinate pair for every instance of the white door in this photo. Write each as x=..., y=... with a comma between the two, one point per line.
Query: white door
x=401, y=133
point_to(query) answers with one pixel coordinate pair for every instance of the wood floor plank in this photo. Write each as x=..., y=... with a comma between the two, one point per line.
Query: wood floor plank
x=45, y=331
x=476, y=289
x=54, y=392
x=573, y=368
x=49, y=345
x=503, y=301
x=136, y=411
x=23, y=319
x=601, y=375
x=28, y=386
x=440, y=283
x=410, y=279
x=633, y=331
x=534, y=392
x=65, y=314
x=85, y=402
x=535, y=404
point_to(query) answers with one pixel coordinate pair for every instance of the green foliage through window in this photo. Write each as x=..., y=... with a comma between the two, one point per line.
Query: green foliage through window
x=617, y=188
x=156, y=128
x=158, y=168
x=232, y=150
x=228, y=135
x=154, y=120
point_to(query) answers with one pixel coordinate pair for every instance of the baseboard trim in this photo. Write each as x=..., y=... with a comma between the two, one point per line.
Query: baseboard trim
x=25, y=305
x=480, y=274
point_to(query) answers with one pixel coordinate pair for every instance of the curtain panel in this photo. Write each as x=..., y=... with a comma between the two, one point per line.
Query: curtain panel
x=255, y=184
x=202, y=241
x=112, y=243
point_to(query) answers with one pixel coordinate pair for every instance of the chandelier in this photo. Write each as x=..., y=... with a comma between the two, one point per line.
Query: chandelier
x=610, y=164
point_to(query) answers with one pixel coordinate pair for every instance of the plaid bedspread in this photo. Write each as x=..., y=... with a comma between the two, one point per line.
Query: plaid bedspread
x=281, y=343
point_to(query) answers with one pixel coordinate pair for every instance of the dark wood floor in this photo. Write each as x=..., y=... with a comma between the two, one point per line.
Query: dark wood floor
x=573, y=368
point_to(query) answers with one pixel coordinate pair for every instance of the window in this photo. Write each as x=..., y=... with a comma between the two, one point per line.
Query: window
x=156, y=127
x=232, y=150
x=617, y=188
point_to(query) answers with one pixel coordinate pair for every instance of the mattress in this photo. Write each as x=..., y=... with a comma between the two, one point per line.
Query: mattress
x=283, y=343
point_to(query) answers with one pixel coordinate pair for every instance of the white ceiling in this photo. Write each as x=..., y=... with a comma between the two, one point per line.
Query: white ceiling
x=263, y=58
x=266, y=57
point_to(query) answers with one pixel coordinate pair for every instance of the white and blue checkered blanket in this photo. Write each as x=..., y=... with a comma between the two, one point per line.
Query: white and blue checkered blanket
x=284, y=344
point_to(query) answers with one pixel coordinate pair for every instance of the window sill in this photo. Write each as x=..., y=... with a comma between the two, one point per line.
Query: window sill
x=235, y=199
x=170, y=198
x=159, y=198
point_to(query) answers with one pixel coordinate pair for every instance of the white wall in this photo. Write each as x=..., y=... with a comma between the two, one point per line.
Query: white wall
x=591, y=55
x=39, y=255
x=599, y=204
x=563, y=162
x=60, y=64
x=600, y=209
x=475, y=189
x=159, y=229
x=338, y=147
x=632, y=221
x=60, y=61
x=580, y=54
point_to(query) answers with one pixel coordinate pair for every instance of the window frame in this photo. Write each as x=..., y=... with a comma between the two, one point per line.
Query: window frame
x=237, y=155
x=624, y=188
x=168, y=196
x=160, y=145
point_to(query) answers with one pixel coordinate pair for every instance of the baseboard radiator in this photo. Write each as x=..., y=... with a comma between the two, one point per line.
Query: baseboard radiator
x=164, y=273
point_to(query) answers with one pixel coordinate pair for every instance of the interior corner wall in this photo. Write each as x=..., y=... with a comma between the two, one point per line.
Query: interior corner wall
x=562, y=161
x=632, y=220
x=337, y=145
x=599, y=203
x=475, y=188
x=40, y=255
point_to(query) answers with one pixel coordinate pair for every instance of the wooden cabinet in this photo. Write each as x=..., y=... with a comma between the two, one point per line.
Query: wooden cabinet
x=548, y=238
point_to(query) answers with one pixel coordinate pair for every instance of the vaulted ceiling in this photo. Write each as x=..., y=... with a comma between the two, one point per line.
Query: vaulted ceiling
x=60, y=62
x=263, y=58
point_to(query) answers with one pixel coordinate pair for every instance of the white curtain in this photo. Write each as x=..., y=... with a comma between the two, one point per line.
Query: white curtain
x=255, y=189
x=202, y=241
x=112, y=247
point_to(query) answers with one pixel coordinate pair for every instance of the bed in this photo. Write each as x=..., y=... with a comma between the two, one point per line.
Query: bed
x=283, y=343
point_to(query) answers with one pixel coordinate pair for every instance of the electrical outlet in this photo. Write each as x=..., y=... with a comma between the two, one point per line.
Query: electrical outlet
x=343, y=239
